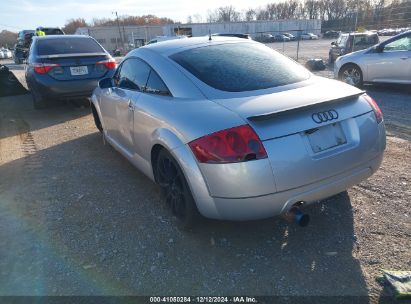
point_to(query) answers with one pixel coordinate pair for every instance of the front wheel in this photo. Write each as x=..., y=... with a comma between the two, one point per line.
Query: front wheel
x=176, y=190
x=351, y=74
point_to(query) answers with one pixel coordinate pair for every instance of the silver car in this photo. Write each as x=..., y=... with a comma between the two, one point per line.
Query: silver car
x=231, y=129
x=387, y=62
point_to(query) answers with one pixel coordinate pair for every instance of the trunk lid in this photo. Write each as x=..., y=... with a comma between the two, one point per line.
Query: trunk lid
x=76, y=66
x=303, y=147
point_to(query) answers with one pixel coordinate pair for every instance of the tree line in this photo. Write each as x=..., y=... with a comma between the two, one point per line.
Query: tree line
x=334, y=14
x=337, y=14
x=73, y=24
x=374, y=13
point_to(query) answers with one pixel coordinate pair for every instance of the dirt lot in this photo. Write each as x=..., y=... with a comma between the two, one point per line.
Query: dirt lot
x=77, y=219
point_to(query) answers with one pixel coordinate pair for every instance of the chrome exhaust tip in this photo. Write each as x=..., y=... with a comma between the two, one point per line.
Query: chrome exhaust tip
x=302, y=219
x=297, y=216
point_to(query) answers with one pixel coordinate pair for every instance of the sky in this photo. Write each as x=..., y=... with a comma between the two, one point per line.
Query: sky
x=16, y=15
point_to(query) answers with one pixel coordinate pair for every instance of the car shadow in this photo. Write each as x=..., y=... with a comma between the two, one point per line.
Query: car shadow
x=18, y=110
x=9, y=84
x=77, y=218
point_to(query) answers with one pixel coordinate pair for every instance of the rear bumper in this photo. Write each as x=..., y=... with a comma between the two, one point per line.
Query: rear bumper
x=269, y=205
x=66, y=89
x=278, y=203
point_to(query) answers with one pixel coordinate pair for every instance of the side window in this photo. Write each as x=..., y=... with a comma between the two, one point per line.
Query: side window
x=141, y=71
x=402, y=44
x=342, y=40
x=156, y=86
x=125, y=77
x=132, y=75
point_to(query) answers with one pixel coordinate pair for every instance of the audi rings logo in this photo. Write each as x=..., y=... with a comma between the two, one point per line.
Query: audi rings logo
x=325, y=116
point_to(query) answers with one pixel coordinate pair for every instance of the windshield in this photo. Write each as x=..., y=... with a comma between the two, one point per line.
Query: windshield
x=68, y=46
x=365, y=39
x=240, y=67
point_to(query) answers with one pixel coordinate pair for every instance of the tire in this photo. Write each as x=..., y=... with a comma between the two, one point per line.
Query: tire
x=175, y=190
x=97, y=121
x=39, y=102
x=330, y=59
x=351, y=74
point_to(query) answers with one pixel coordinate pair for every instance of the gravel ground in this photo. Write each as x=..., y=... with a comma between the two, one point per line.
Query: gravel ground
x=77, y=219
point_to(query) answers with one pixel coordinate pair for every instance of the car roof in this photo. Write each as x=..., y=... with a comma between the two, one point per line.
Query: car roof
x=171, y=46
x=359, y=34
x=62, y=36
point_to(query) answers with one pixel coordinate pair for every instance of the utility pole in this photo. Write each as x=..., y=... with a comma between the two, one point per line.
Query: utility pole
x=119, y=30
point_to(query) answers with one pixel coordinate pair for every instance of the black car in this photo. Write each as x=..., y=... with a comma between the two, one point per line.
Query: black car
x=22, y=46
x=52, y=31
x=331, y=34
x=66, y=67
x=24, y=40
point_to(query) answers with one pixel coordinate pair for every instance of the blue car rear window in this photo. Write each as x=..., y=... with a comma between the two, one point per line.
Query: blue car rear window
x=240, y=67
x=54, y=46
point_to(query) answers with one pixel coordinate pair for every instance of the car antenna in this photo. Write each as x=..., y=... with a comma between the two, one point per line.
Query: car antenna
x=209, y=34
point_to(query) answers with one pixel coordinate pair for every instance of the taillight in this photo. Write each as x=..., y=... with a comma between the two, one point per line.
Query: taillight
x=229, y=146
x=375, y=108
x=109, y=63
x=44, y=68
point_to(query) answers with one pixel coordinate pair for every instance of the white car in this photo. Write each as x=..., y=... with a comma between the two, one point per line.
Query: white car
x=5, y=53
x=386, y=62
x=308, y=36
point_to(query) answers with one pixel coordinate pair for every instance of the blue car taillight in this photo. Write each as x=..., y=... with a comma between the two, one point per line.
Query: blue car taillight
x=44, y=68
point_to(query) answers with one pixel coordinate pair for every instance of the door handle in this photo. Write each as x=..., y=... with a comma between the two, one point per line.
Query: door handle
x=404, y=58
x=130, y=105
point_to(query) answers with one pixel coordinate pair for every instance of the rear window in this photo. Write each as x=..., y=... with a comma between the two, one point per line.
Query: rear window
x=67, y=46
x=240, y=67
x=52, y=31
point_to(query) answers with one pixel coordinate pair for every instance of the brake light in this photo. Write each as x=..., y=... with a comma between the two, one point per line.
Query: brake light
x=44, y=68
x=376, y=109
x=229, y=146
x=109, y=63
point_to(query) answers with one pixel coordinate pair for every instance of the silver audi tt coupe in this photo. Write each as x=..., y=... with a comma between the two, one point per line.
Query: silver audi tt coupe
x=230, y=129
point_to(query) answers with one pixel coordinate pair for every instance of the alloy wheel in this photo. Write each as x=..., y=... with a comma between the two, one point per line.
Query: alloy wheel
x=172, y=183
x=352, y=76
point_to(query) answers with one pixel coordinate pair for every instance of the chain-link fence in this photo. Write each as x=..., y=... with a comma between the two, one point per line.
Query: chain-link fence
x=297, y=44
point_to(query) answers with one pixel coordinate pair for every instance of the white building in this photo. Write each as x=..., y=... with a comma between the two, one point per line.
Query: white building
x=125, y=37
x=129, y=37
x=254, y=28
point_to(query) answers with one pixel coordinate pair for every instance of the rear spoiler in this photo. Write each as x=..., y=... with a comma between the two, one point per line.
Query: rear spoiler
x=269, y=115
x=71, y=55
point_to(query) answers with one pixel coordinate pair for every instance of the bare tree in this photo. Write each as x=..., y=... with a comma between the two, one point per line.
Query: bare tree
x=73, y=24
x=227, y=14
x=7, y=38
x=197, y=18
x=250, y=14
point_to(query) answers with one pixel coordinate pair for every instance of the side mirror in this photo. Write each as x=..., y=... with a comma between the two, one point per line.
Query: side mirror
x=333, y=43
x=106, y=83
x=379, y=48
